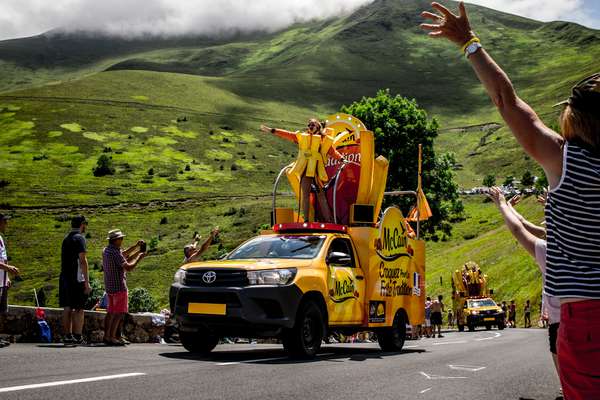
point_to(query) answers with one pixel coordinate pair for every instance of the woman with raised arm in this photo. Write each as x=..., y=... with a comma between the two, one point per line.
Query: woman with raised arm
x=572, y=166
x=315, y=146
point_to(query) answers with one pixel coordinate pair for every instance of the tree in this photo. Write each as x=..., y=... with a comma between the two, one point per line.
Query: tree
x=103, y=166
x=542, y=183
x=399, y=126
x=527, y=179
x=509, y=180
x=489, y=180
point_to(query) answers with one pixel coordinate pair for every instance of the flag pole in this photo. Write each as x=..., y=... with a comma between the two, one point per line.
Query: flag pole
x=418, y=192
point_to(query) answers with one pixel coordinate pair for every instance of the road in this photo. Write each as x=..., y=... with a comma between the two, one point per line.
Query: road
x=509, y=364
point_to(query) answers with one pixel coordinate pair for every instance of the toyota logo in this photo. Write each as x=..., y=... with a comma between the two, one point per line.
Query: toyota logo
x=209, y=277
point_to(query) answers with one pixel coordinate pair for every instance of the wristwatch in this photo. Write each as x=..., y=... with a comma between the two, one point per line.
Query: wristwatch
x=472, y=48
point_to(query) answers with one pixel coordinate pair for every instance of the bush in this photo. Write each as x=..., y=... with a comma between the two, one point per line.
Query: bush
x=140, y=300
x=188, y=168
x=151, y=171
x=153, y=244
x=96, y=294
x=103, y=166
x=4, y=183
x=527, y=179
x=164, y=220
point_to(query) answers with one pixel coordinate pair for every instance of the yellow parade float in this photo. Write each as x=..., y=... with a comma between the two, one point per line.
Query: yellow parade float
x=355, y=269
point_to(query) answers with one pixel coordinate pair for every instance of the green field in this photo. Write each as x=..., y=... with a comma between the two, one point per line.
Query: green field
x=179, y=119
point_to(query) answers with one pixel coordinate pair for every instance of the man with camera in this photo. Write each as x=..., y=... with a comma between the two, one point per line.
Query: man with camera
x=116, y=263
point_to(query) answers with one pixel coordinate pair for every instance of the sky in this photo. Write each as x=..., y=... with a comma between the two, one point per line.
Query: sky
x=21, y=18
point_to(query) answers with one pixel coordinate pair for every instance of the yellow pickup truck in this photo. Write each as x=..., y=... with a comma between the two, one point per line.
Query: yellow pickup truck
x=301, y=281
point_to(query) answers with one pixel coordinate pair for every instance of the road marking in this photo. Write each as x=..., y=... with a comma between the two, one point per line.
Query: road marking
x=496, y=335
x=411, y=347
x=70, y=382
x=453, y=342
x=264, y=359
x=441, y=377
x=472, y=368
x=425, y=390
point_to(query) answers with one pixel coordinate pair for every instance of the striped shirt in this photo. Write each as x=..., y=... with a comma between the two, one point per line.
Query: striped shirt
x=115, y=277
x=573, y=227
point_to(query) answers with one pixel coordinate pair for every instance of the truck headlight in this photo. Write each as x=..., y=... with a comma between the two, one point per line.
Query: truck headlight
x=272, y=276
x=474, y=312
x=179, y=276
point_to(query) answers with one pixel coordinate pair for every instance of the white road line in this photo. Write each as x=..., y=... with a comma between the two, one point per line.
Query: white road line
x=453, y=342
x=471, y=368
x=264, y=359
x=425, y=390
x=496, y=335
x=441, y=377
x=71, y=382
x=410, y=347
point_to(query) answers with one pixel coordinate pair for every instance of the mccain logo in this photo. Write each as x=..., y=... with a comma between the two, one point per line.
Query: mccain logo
x=392, y=243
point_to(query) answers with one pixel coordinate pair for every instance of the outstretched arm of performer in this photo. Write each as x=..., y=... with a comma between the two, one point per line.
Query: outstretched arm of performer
x=287, y=135
x=518, y=230
x=539, y=141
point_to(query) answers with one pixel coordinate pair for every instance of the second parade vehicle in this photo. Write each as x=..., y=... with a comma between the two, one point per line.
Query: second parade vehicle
x=302, y=281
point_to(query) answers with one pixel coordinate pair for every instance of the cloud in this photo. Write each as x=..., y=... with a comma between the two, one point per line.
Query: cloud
x=547, y=10
x=163, y=17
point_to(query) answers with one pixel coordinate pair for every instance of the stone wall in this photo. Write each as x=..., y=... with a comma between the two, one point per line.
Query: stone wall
x=21, y=323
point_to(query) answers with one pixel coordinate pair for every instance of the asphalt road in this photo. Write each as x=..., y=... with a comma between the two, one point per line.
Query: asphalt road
x=509, y=364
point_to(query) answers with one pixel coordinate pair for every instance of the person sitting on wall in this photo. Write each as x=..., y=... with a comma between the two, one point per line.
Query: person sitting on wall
x=315, y=146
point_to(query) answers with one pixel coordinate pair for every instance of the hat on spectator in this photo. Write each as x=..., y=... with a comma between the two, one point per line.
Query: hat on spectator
x=585, y=96
x=115, y=234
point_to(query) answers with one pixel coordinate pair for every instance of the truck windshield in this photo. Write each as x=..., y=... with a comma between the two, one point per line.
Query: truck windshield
x=292, y=246
x=482, y=303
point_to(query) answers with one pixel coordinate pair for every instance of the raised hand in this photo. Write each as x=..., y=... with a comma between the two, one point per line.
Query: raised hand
x=265, y=129
x=516, y=199
x=495, y=194
x=455, y=28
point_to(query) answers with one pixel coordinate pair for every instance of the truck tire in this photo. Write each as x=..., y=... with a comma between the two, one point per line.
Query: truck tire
x=488, y=327
x=501, y=326
x=198, y=342
x=392, y=338
x=304, y=339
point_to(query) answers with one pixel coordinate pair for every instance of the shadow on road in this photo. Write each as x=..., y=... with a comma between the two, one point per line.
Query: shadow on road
x=279, y=356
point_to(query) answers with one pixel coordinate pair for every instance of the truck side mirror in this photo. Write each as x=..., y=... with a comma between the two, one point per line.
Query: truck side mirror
x=339, y=258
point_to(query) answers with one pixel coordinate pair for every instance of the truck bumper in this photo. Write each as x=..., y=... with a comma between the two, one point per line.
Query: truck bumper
x=252, y=311
x=482, y=320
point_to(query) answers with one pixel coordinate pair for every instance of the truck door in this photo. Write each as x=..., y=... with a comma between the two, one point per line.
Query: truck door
x=346, y=284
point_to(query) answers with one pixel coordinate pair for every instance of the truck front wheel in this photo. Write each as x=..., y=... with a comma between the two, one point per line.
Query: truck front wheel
x=392, y=338
x=198, y=342
x=304, y=339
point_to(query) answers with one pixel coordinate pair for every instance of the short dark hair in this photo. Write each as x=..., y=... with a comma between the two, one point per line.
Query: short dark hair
x=77, y=221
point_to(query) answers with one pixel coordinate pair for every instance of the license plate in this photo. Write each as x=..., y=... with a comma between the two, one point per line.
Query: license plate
x=207, y=308
x=489, y=319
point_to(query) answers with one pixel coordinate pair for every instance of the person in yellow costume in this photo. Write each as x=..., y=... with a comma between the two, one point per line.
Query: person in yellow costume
x=315, y=146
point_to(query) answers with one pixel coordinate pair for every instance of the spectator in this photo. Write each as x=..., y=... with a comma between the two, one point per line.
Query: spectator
x=437, y=308
x=572, y=166
x=191, y=252
x=527, y=314
x=450, y=318
x=428, y=317
x=531, y=238
x=116, y=263
x=5, y=269
x=74, y=283
x=512, y=314
x=505, y=311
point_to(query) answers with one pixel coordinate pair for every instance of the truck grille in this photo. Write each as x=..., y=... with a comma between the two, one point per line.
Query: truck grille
x=223, y=278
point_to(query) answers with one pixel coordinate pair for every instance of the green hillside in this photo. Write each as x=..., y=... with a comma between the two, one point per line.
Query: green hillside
x=179, y=119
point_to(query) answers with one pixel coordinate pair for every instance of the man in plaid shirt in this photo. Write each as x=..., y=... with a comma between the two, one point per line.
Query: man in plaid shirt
x=116, y=263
